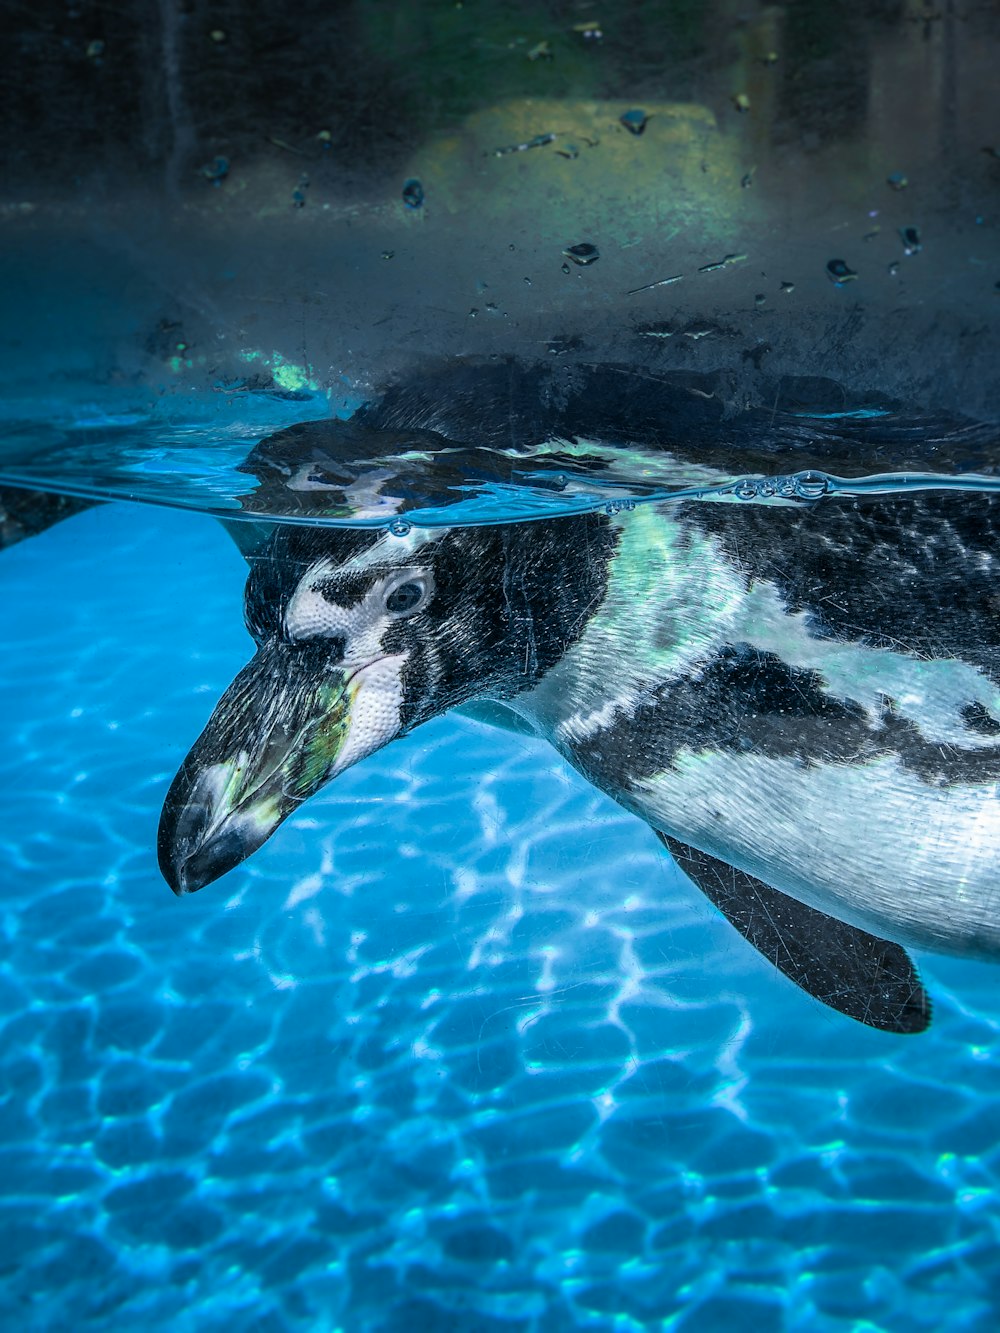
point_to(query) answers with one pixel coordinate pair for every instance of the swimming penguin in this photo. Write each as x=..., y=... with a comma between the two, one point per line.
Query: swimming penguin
x=801, y=699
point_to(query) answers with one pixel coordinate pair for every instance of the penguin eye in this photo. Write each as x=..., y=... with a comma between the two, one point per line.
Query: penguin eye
x=406, y=598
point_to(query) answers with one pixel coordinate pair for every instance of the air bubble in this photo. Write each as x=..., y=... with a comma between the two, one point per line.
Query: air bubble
x=811, y=485
x=399, y=527
x=745, y=489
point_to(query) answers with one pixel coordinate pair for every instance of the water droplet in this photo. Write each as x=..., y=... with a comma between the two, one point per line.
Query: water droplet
x=388, y=254
x=746, y=181
x=399, y=527
x=784, y=486
x=528, y=281
x=217, y=170
x=745, y=489
x=896, y=180
x=760, y=299
x=766, y=488
x=839, y=272
x=893, y=268
x=565, y=268
x=811, y=485
x=512, y=246
x=413, y=193
x=788, y=286
x=474, y=312
x=635, y=121
x=582, y=254
x=910, y=237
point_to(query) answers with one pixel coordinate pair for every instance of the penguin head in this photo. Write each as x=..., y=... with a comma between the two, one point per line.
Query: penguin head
x=362, y=636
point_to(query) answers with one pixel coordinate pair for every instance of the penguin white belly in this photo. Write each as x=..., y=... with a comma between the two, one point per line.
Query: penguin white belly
x=870, y=844
x=846, y=776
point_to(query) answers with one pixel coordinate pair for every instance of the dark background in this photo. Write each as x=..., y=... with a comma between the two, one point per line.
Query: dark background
x=193, y=192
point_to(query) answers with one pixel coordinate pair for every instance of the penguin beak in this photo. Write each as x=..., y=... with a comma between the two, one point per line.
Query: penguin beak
x=287, y=725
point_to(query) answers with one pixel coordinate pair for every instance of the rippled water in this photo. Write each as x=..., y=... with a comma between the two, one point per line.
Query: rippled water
x=458, y=1050
x=497, y=454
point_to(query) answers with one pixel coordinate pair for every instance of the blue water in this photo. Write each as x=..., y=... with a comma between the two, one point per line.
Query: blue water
x=458, y=1051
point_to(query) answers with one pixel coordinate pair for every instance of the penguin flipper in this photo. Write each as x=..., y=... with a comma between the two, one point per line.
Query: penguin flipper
x=860, y=975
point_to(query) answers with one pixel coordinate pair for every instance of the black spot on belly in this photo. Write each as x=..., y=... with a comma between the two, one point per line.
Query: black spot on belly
x=979, y=719
x=750, y=702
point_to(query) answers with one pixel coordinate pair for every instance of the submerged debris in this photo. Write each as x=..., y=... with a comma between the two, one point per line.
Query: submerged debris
x=541, y=51
x=724, y=262
x=582, y=254
x=635, y=121
x=788, y=287
x=217, y=170
x=660, y=282
x=589, y=30
x=413, y=193
x=569, y=150
x=839, y=272
x=741, y=102
x=896, y=180
x=537, y=142
x=910, y=237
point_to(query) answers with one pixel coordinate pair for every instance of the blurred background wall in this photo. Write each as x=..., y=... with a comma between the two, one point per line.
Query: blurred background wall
x=200, y=194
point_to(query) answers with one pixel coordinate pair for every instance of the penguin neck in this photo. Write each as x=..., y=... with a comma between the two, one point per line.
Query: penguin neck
x=668, y=595
x=555, y=576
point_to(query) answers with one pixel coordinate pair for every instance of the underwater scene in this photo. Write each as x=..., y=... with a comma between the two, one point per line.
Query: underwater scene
x=500, y=680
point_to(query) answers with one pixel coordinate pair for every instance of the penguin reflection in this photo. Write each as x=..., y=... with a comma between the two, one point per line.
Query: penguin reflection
x=800, y=700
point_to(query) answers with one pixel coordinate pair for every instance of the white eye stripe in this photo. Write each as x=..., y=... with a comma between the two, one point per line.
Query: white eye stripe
x=313, y=611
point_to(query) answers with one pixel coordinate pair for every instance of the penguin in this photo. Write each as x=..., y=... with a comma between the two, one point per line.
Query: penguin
x=800, y=697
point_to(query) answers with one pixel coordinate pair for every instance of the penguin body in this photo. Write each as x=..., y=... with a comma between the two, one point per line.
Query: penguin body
x=801, y=699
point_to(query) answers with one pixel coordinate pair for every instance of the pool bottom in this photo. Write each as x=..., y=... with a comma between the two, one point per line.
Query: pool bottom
x=458, y=1051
